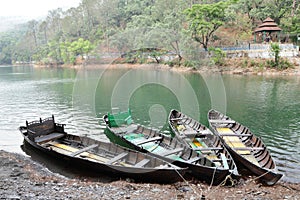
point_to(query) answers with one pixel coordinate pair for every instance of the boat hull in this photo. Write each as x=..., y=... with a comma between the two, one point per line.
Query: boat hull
x=204, y=172
x=198, y=137
x=258, y=161
x=266, y=176
x=161, y=172
x=210, y=175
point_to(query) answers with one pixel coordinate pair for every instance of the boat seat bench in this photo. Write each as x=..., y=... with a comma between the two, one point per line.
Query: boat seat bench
x=179, y=118
x=233, y=141
x=84, y=150
x=234, y=134
x=48, y=137
x=196, y=133
x=142, y=163
x=65, y=149
x=216, y=121
x=149, y=140
x=249, y=148
x=208, y=149
x=116, y=158
x=171, y=152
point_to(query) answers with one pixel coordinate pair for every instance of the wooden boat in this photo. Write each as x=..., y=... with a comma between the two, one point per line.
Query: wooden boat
x=50, y=138
x=199, y=138
x=249, y=152
x=122, y=130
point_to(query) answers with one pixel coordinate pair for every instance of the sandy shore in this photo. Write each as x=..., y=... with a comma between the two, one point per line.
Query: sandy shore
x=22, y=178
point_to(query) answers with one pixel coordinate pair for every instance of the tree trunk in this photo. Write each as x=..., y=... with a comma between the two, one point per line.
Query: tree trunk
x=293, y=8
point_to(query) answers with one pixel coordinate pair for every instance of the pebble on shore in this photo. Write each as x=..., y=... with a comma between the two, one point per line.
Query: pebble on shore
x=22, y=178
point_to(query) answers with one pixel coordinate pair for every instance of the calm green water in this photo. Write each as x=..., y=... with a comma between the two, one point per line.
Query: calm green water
x=269, y=106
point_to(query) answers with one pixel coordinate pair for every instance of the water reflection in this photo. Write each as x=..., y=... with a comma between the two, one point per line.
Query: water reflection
x=269, y=106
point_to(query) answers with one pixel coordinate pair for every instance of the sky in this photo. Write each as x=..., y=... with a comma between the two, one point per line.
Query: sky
x=33, y=8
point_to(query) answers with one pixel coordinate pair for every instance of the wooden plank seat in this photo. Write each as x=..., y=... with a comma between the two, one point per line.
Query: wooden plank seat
x=234, y=134
x=192, y=134
x=167, y=153
x=249, y=148
x=208, y=148
x=205, y=132
x=233, y=141
x=84, y=150
x=142, y=163
x=66, y=149
x=189, y=132
x=116, y=158
x=179, y=118
x=218, y=160
x=149, y=140
x=216, y=121
x=48, y=137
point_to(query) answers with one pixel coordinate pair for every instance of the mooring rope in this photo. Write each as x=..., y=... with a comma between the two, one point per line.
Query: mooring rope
x=212, y=180
x=228, y=177
x=258, y=177
x=186, y=182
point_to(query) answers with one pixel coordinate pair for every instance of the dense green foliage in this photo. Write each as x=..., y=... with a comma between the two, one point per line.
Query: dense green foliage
x=119, y=26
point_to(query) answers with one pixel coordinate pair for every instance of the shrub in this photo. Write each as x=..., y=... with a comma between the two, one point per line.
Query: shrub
x=278, y=62
x=275, y=50
x=245, y=63
x=218, y=56
x=188, y=63
x=281, y=64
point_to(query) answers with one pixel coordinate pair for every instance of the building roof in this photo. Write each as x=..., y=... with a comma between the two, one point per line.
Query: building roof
x=268, y=25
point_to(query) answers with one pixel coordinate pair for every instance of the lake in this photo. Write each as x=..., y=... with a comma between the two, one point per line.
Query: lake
x=269, y=106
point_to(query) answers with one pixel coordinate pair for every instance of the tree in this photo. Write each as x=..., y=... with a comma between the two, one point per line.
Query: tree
x=80, y=47
x=169, y=20
x=204, y=20
x=278, y=9
x=158, y=26
x=261, y=9
x=32, y=30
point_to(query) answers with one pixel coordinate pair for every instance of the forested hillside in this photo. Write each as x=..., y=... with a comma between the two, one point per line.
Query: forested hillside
x=179, y=27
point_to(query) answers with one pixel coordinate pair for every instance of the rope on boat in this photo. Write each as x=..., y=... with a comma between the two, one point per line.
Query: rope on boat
x=227, y=178
x=232, y=181
x=258, y=177
x=212, y=180
x=186, y=182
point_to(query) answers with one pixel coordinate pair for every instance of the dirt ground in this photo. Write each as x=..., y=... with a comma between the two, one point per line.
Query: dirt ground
x=23, y=178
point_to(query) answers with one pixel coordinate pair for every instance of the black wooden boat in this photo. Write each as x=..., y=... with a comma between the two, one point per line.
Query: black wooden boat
x=50, y=138
x=199, y=138
x=122, y=130
x=249, y=152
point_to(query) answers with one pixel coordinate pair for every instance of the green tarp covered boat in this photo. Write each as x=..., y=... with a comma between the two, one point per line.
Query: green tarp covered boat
x=122, y=130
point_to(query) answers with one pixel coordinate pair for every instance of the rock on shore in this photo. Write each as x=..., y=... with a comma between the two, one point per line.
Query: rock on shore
x=22, y=178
